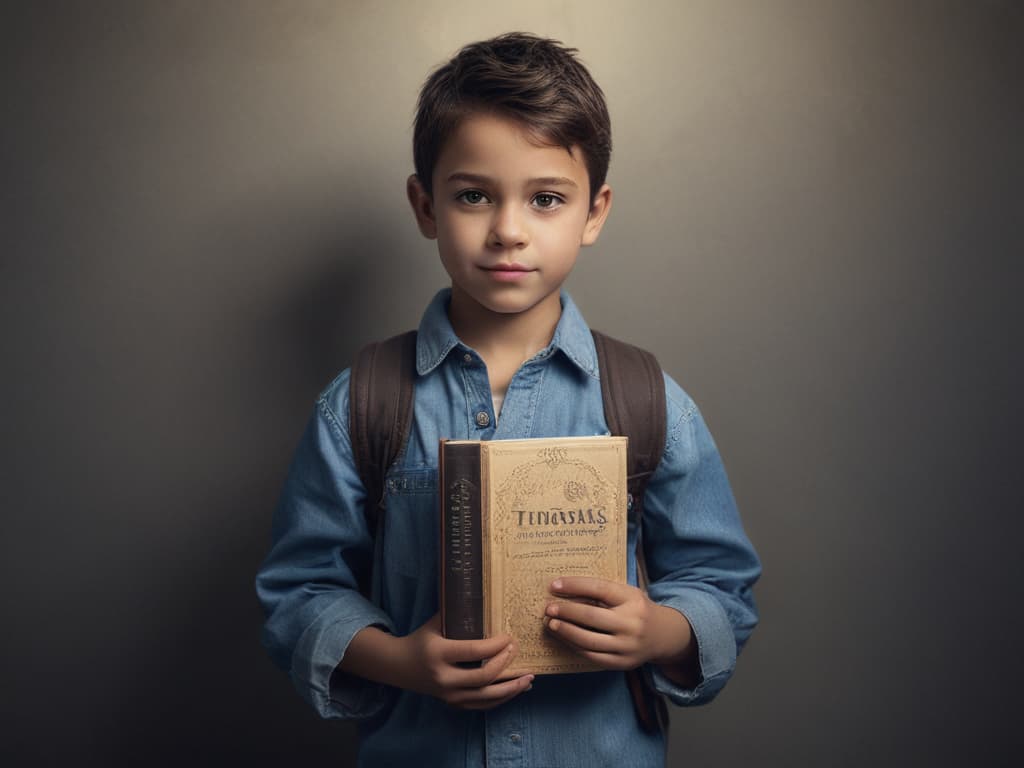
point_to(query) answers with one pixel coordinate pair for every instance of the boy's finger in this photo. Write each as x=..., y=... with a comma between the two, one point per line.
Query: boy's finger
x=471, y=675
x=581, y=644
x=476, y=650
x=492, y=695
x=486, y=673
x=586, y=615
x=581, y=638
x=608, y=592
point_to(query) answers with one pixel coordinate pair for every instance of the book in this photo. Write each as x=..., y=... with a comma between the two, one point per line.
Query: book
x=515, y=515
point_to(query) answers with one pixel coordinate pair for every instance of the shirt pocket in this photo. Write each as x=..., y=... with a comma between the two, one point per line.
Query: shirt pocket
x=411, y=526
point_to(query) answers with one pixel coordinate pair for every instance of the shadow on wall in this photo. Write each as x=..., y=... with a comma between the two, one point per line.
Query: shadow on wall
x=206, y=693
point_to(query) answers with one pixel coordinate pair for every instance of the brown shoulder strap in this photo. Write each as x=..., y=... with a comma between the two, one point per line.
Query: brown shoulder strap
x=633, y=391
x=380, y=412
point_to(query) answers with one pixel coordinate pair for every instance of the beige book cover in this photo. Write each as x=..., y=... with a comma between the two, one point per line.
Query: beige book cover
x=548, y=507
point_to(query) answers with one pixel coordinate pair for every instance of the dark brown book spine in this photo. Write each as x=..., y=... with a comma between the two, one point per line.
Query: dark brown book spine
x=462, y=604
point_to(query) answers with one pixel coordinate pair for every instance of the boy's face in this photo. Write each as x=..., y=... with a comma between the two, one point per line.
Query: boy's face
x=509, y=217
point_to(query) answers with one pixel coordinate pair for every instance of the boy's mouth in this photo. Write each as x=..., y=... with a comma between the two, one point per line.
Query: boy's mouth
x=515, y=266
x=508, y=272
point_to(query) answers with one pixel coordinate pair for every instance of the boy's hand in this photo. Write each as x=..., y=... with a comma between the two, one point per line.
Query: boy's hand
x=437, y=668
x=427, y=662
x=618, y=626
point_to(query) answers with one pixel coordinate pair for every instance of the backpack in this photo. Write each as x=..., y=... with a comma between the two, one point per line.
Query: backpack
x=381, y=398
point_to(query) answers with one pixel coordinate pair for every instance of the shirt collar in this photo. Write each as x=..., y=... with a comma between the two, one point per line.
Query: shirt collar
x=436, y=337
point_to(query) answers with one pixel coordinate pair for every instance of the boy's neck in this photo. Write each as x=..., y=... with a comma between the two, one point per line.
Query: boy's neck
x=504, y=340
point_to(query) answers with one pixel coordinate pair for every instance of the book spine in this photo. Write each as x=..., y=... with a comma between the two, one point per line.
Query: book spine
x=462, y=561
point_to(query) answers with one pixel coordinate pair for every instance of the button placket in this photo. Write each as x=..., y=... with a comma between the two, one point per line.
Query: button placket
x=478, y=395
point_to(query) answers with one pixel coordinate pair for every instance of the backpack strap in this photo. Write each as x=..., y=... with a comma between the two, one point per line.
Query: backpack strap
x=380, y=412
x=633, y=392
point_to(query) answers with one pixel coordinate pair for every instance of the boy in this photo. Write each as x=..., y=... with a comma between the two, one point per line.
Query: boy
x=511, y=148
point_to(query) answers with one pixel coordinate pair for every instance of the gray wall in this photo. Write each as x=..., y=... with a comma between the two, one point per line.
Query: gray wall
x=817, y=228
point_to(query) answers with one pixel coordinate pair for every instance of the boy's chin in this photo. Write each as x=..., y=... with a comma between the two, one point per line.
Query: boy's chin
x=507, y=306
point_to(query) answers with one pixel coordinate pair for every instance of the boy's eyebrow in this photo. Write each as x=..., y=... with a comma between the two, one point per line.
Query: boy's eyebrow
x=547, y=181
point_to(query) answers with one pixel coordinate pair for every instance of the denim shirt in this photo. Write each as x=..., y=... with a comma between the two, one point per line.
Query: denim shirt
x=699, y=562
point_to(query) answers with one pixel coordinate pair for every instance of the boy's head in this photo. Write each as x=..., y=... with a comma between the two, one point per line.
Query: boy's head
x=511, y=149
x=532, y=81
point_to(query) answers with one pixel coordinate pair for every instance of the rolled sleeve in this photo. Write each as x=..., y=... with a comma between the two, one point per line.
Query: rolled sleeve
x=715, y=645
x=321, y=554
x=319, y=651
x=699, y=559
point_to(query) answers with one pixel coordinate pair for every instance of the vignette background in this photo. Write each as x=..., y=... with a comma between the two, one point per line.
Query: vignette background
x=816, y=228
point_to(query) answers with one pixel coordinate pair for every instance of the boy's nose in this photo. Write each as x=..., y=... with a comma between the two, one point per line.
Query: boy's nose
x=507, y=228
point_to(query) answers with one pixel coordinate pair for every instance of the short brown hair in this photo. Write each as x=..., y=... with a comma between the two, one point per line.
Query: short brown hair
x=535, y=81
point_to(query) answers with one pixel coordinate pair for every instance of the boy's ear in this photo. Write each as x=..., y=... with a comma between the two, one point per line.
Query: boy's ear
x=599, y=209
x=422, y=207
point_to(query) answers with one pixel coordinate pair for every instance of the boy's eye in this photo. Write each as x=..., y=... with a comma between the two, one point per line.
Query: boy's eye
x=546, y=200
x=472, y=196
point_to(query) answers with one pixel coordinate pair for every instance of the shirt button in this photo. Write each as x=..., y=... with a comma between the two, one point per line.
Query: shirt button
x=467, y=358
x=483, y=419
x=515, y=738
